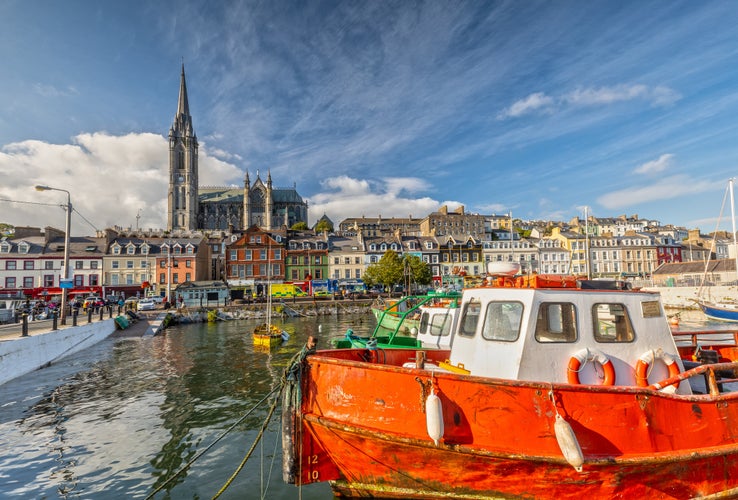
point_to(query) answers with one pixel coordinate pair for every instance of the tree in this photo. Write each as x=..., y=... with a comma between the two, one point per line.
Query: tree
x=6, y=229
x=323, y=225
x=417, y=271
x=387, y=272
x=299, y=226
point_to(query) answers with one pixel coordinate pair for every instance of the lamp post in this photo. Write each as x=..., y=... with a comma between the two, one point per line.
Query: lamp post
x=66, y=250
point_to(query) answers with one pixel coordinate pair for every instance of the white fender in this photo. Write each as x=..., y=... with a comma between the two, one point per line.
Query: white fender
x=434, y=417
x=568, y=443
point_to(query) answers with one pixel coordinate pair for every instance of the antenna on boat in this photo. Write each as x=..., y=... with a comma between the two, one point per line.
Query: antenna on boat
x=732, y=218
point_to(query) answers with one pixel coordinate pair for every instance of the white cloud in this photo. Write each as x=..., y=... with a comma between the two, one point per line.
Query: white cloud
x=591, y=96
x=532, y=103
x=349, y=197
x=110, y=179
x=664, y=189
x=655, y=166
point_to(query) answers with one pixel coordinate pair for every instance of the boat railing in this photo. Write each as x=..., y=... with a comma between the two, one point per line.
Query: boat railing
x=695, y=337
x=712, y=374
x=414, y=302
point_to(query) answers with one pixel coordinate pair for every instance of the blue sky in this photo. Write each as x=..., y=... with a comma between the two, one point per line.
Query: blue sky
x=388, y=108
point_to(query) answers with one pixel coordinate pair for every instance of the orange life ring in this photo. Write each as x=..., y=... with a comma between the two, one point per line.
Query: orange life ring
x=581, y=357
x=647, y=359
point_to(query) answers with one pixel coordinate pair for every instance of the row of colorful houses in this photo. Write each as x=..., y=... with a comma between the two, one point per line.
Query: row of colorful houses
x=117, y=262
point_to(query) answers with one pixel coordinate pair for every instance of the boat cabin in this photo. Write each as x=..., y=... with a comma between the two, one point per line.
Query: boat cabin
x=564, y=330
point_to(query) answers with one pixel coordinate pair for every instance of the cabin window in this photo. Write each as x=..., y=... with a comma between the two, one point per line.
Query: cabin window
x=440, y=324
x=469, y=318
x=612, y=323
x=556, y=322
x=502, y=321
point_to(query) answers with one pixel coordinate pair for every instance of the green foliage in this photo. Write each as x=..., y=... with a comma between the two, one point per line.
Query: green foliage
x=387, y=272
x=299, y=226
x=418, y=271
x=6, y=229
x=323, y=225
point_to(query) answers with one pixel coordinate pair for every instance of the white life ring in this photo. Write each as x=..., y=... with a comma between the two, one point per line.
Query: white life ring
x=645, y=362
x=581, y=357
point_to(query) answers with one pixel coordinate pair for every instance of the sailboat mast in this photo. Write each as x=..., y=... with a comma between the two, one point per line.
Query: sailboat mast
x=732, y=218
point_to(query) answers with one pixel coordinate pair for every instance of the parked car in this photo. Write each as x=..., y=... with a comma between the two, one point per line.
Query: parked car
x=146, y=305
x=158, y=299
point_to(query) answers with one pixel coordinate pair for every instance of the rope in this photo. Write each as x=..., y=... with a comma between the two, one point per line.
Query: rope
x=188, y=464
x=253, y=446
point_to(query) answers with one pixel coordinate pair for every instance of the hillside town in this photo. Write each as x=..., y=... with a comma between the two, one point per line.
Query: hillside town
x=454, y=244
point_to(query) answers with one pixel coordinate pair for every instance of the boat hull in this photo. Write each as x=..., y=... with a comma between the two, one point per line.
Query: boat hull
x=367, y=433
x=719, y=313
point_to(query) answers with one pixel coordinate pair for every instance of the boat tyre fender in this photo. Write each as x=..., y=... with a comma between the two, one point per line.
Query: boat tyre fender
x=646, y=361
x=580, y=358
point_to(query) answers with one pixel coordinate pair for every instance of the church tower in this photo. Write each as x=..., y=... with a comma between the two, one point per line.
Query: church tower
x=182, y=204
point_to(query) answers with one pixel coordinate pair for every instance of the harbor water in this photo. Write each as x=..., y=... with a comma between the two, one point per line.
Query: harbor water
x=120, y=419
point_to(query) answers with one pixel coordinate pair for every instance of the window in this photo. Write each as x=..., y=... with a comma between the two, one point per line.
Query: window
x=162, y=278
x=277, y=254
x=175, y=278
x=129, y=264
x=79, y=280
x=612, y=323
x=93, y=264
x=131, y=250
x=188, y=276
x=469, y=318
x=129, y=279
x=116, y=250
x=28, y=264
x=10, y=265
x=48, y=280
x=114, y=279
x=502, y=321
x=440, y=324
x=93, y=280
x=116, y=265
x=144, y=264
x=79, y=264
x=556, y=322
x=49, y=264
x=10, y=282
x=263, y=254
x=188, y=263
x=28, y=282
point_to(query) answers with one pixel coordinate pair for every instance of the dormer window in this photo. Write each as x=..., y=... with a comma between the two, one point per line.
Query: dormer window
x=5, y=247
x=115, y=249
x=131, y=249
x=23, y=247
x=428, y=245
x=190, y=249
x=373, y=247
x=145, y=249
x=383, y=248
x=293, y=245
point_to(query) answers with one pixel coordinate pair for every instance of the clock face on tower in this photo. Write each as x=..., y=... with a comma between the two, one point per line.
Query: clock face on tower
x=180, y=178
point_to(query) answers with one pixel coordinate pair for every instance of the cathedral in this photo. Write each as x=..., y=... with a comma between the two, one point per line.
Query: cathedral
x=191, y=207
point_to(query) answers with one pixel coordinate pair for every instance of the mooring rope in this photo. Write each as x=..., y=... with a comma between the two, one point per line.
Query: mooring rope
x=207, y=448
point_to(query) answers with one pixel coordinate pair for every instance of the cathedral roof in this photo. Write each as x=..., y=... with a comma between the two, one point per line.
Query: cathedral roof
x=235, y=195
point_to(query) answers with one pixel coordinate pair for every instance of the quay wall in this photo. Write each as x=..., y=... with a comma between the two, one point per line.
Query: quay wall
x=685, y=297
x=23, y=355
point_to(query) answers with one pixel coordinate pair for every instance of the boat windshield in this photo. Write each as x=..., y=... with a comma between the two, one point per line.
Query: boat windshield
x=502, y=321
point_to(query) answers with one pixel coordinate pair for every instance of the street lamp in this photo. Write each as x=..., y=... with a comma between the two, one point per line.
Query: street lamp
x=66, y=250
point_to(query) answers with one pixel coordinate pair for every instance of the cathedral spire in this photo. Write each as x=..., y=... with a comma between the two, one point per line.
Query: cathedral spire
x=183, y=106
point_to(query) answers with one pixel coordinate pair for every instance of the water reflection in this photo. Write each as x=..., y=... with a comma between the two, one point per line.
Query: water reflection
x=121, y=418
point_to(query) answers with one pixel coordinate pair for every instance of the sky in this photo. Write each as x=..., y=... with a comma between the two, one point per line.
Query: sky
x=546, y=110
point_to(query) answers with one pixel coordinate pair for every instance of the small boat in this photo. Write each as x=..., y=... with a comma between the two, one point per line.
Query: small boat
x=397, y=315
x=725, y=310
x=552, y=387
x=720, y=312
x=431, y=317
x=270, y=335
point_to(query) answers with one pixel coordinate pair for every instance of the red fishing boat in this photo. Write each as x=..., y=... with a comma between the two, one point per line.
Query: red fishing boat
x=552, y=388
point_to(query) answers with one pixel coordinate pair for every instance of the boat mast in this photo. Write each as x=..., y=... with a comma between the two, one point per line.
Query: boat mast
x=586, y=240
x=732, y=218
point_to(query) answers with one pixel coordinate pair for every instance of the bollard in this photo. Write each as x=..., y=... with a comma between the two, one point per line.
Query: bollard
x=110, y=311
x=74, y=317
x=101, y=313
x=89, y=315
x=54, y=326
x=24, y=327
